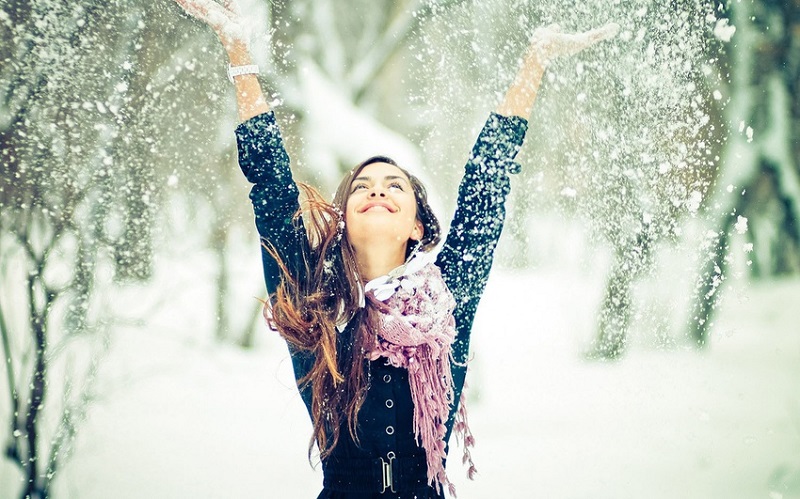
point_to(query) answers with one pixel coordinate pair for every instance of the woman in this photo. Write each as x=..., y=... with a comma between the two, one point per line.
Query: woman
x=377, y=327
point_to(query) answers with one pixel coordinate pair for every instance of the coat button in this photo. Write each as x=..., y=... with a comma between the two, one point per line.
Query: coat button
x=387, y=378
x=389, y=403
x=390, y=430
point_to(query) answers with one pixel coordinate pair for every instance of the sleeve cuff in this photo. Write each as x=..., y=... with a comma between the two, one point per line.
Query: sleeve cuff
x=501, y=137
x=262, y=156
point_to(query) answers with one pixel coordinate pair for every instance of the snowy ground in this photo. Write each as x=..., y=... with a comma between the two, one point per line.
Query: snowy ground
x=182, y=417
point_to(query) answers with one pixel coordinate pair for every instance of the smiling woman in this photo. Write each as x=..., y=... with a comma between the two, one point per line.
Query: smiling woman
x=382, y=209
x=378, y=326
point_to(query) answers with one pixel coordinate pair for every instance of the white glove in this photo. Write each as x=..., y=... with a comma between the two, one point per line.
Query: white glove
x=550, y=43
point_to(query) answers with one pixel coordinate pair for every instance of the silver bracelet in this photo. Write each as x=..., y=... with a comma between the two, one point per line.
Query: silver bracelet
x=250, y=69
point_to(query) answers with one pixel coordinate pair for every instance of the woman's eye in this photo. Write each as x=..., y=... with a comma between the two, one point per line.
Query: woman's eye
x=359, y=186
x=396, y=185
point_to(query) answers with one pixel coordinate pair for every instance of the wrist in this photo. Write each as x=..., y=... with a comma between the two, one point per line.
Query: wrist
x=238, y=54
x=538, y=55
x=247, y=69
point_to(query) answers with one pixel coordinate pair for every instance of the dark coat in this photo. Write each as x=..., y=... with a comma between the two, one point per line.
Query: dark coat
x=386, y=418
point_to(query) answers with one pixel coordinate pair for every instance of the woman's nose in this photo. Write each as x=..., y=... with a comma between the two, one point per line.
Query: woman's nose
x=377, y=191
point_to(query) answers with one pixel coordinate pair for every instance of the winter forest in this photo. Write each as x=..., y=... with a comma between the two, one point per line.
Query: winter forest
x=639, y=333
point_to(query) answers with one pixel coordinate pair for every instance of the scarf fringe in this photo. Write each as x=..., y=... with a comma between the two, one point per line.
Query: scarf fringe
x=417, y=331
x=467, y=439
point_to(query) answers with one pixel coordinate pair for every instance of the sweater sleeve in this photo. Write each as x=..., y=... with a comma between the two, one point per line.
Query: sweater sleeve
x=265, y=163
x=467, y=254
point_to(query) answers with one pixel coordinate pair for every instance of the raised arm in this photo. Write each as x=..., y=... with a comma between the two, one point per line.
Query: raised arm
x=262, y=156
x=227, y=22
x=546, y=44
x=467, y=254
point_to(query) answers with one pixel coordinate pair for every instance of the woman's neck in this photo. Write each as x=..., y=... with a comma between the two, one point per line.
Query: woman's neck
x=376, y=263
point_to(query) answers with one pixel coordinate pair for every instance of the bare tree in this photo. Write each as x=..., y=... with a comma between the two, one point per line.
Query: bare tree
x=742, y=142
x=760, y=175
x=77, y=196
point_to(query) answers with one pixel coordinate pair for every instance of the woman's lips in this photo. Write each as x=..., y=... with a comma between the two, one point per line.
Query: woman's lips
x=378, y=204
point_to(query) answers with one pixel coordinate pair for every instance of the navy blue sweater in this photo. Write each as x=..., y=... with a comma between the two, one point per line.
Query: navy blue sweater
x=386, y=418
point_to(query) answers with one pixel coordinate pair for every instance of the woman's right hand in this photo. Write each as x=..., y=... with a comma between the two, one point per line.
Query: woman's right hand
x=226, y=21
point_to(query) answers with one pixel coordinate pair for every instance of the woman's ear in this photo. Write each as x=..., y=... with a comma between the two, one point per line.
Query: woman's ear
x=418, y=231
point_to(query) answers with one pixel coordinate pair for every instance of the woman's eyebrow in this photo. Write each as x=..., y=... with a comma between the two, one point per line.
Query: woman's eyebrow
x=387, y=177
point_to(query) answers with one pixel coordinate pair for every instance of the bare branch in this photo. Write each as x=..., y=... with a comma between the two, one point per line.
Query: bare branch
x=400, y=28
x=327, y=34
x=73, y=414
x=12, y=390
x=246, y=337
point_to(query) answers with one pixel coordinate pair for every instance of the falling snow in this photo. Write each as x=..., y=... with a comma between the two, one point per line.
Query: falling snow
x=658, y=174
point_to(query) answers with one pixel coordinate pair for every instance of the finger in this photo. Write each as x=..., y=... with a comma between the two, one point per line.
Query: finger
x=223, y=9
x=565, y=44
x=233, y=7
x=550, y=28
x=215, y=15
x=610, y=30
x=192, y=9
x=574, y=43
x=208, y=11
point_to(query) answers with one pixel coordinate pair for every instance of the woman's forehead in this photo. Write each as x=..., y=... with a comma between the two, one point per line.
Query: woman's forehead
x=378, y=171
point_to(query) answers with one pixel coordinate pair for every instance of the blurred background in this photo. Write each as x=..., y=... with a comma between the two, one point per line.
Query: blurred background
x=639, y=335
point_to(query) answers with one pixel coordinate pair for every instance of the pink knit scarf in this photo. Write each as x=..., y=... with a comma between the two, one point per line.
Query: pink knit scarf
x=416, y=332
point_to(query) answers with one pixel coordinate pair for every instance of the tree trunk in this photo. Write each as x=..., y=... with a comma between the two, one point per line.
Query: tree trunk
x=630, y=262
x=247, y=338
x=219, y=242
x=708, y=286
x=760, y=162
x=615, y=312
x=38, y=386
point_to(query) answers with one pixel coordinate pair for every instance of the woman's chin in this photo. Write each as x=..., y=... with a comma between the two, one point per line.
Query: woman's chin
x=378, y=234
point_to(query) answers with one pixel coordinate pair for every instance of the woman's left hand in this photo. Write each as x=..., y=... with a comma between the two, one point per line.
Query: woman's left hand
x=546, y=44
x=550, y=42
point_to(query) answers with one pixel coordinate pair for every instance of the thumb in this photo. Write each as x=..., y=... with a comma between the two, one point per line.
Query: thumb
x=610, y=30
x=233, y=6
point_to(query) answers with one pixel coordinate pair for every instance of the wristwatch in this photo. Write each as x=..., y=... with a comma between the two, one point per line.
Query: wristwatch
x=249, y=69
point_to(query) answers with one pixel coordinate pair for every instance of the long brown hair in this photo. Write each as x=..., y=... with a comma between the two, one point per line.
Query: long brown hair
x=307, y=308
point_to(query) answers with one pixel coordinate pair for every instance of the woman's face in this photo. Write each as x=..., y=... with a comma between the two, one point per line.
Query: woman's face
x=381, y=208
